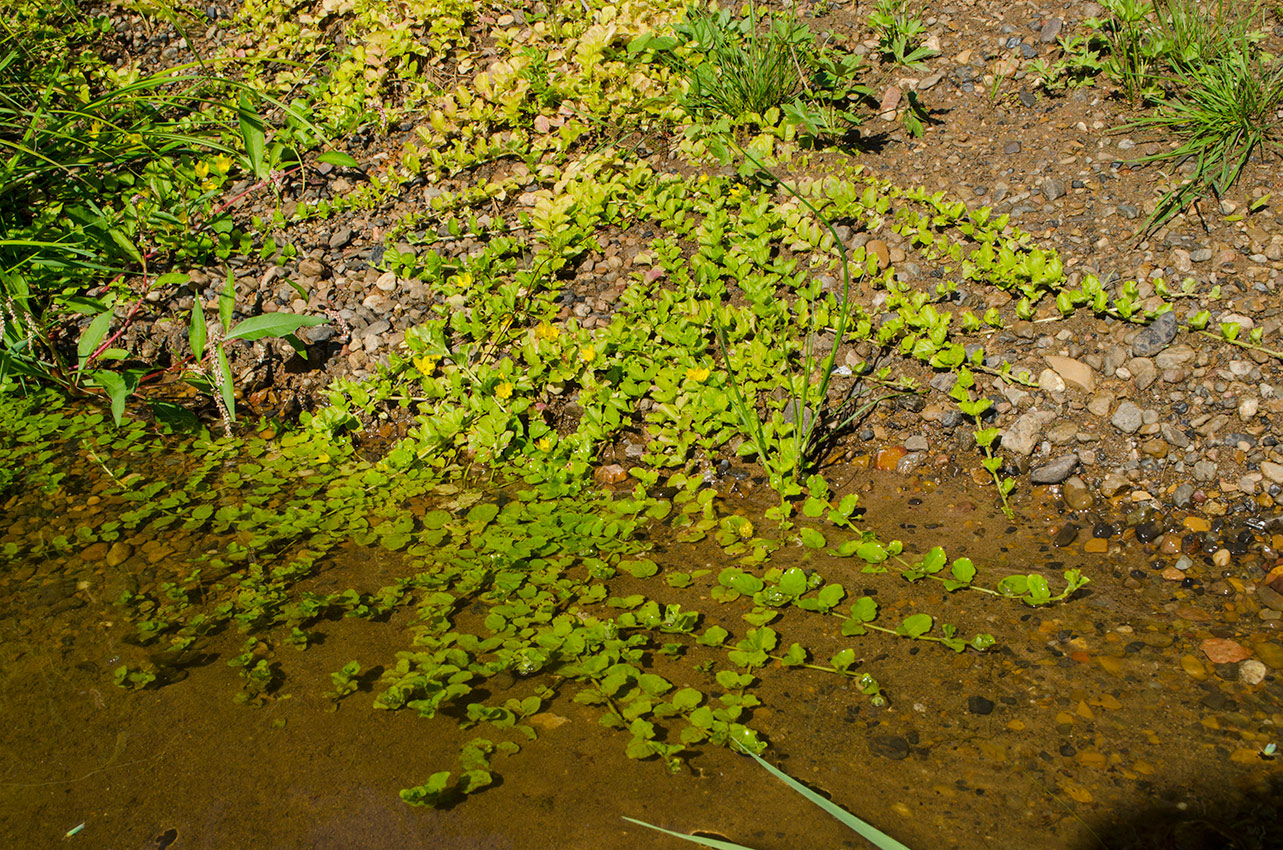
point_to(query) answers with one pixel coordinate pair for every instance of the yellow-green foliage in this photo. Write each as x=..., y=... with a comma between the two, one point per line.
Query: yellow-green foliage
x=380, y=52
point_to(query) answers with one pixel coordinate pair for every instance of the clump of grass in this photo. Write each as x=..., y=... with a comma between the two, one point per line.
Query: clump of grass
x=1223, y=112
x=747, y=67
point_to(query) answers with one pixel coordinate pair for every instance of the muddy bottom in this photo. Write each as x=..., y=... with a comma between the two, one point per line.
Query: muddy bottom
x=1139, y=714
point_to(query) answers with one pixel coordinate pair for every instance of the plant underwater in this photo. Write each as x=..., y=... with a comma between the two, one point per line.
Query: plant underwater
x=756, y=321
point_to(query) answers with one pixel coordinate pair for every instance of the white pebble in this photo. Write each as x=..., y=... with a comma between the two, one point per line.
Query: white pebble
x=1251, y=672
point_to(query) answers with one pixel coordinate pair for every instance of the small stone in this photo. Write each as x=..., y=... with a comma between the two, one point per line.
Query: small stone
x=1054, y=472
x=1112, y=485
x=1156, y=337
x=891, y=747
x=1154, y=448
x=1076, y=494
x=1251, y=672
x=1026, y=431
x=311, y=268
x=1127, y=418
x=1050, y=382
x=916, y=443
x=1011, y=148
x=1175, y=357
x=1271, y=654
x=1050, y=30
x=1224, y=650
x=1099, y=404
x=118, y=553
x=887, y=458
x=340, y=238
x=879, y=249
x=1053, y=188
x=979, y=705
x=611, y=473
x=1144, y=372
x=1172, y=574
x=1273, y=471
x=1067, y=535
x=1193, y=667
x=386, y=281
x=1204, y=470
x=1073, y=372
x=1197, y=524
x=1096, y=546
x=1247, y=408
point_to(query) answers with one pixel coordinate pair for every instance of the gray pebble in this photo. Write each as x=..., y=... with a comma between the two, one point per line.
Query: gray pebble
x=1156, y=337
x=1053, y=188
x=340, y=238
x=1054, y=472
x=1127, y=418
x=1050, y=30
x=1204, y=470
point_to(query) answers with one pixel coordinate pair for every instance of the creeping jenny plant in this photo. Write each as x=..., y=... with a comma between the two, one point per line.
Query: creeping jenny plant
x=733, y=332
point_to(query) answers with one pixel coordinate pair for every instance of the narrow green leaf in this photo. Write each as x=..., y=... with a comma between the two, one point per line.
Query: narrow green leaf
x=273, y=324
x=196, y=335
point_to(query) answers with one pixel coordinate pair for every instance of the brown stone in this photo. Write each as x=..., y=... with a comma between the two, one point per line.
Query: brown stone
x=888, y=458
x=611, y=473
x=879, y=249
x=1224, y=650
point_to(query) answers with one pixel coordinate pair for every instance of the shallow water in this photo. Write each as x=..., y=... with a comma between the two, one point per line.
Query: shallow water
x=1093, y=723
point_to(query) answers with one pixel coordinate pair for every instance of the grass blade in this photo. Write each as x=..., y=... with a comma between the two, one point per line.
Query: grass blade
x=872, y=833
x=715, y=843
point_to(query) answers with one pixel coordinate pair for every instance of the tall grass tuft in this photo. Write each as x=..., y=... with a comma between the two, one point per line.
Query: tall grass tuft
x=1224, y=110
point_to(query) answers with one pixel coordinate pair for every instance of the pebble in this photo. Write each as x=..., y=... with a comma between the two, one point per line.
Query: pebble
x=1076, y=494
x=1127, y=418
x=1252, y=672
x=1073, y=371
x=340, y=238
x=1054, y=472
x=888, y=458
x=1156, y=337
x=1271, y=654
x=1025, y=432
x=979, y=705
x=118, y=553
x=1224, y=650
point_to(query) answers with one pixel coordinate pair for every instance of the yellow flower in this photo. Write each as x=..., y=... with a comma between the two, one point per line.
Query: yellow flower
x=426, y=365
x=698, y=374
x=202, y=169
x=588, y=354
x=547, y=332
x=703, y=178
x=544, y=444
x=222, y=163
x=503, y=390
x=745, y=530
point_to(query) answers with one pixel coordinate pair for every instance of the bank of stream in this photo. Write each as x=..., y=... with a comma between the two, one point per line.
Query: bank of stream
x=1140, y=712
